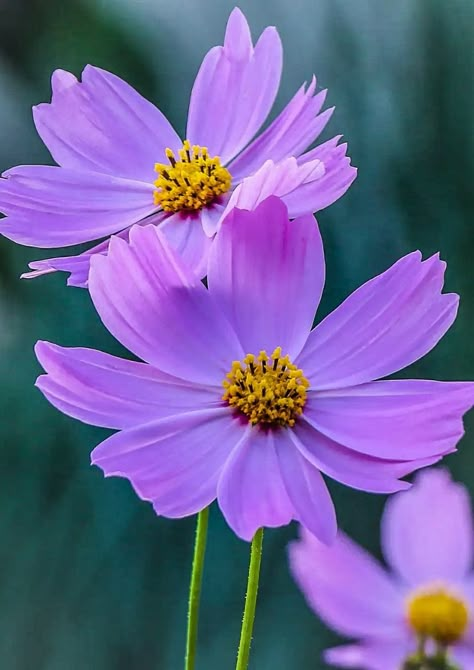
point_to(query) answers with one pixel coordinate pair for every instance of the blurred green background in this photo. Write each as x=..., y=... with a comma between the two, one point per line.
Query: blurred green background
x=89, y=577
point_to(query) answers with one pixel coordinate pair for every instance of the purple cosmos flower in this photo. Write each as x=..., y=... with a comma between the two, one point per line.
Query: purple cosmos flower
x=238, y=399
x=122, y=163
x=427, y=539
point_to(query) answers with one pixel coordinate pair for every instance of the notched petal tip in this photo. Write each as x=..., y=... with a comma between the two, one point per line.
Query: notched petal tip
x=37, y=273
x=42, y=348
x=238, y=39
x=237, y=20
x=62, y=80
x=139, y=232
x=116, y=244
x=236, y=15
x=96, y=262
x=12, y=172
x=455, y=299
x=271, y=32
x=40, y=382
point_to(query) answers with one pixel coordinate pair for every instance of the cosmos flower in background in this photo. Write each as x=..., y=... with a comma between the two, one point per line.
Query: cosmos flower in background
x=238, y=399
x=121, y=162
x=425, y=597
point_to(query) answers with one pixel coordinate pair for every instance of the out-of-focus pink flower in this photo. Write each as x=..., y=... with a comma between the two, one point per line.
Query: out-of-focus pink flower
x=428, y=591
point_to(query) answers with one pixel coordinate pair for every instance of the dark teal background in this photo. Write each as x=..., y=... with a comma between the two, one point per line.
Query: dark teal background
x=89, y=577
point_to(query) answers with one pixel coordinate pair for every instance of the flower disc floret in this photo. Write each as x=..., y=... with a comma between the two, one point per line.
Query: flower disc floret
x=438, y=615
x=192, y=182
x=267, y=390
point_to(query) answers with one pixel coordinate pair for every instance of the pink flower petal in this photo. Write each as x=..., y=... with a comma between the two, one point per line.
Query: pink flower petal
x=267, y=275
x=251, y=493
x=374, y=655
x=463, y=656
x=186, y=235
x=338, y=176
x=401, y=420
x=346, y=587
x=466, y=587
x=280, y=179
x=175, y=462
x=235, y=89
x=107, y=391
x=427, y=533
x=388, y=323
x=79, y=266
x=49, y=206
x=306, y=488
x=162, y=312
x=303, y=188
x=352, y=468
x=212, y=215
x=103, y=125
x=294, y=129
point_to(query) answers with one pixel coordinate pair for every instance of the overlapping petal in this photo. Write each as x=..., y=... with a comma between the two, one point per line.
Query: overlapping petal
x=279, y=179
x=162, y=312
x=370, y=655
x=346, y=587
x=267, y=274
x=323, y=152
x=48, y=206
x=353, y=468
x=103, y=125
x=305, y=187
x=403, y=420
x=338, y=176
x=293, y=130
x=235, y=89
x=185, y=232
x=251, y=492
x=306, y=488
x=107, y=391
x=175, y=462
x=212, y=216
x=79, y=266
x=428, y=535
x=386, y=324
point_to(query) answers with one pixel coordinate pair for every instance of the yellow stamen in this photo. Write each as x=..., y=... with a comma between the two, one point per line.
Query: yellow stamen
x=438, y=614
x=268, y=390
x=191, y=181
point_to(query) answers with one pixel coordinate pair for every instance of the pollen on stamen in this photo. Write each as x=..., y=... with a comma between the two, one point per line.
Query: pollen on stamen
x=439, y=615
x=268, y=390
x=190, y=181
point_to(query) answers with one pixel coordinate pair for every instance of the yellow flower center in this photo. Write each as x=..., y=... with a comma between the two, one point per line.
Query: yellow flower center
x=268, y=390
x=192, y=182
x=439, y=615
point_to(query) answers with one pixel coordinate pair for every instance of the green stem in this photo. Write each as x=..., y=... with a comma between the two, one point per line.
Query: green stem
x=250, y=601
x=195, y=588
